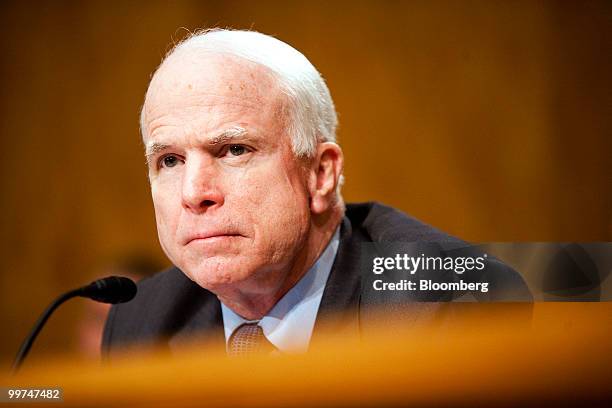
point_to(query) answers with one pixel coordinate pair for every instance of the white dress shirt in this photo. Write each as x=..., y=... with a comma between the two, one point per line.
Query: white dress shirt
x=289, y=324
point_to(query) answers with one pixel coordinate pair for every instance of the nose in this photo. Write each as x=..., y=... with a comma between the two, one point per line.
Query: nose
x=200, y=190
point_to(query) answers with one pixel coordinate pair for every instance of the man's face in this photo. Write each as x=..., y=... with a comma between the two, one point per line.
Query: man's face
x=230, y=198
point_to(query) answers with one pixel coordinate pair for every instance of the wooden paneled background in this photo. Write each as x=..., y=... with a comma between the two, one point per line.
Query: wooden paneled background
x=488, y=119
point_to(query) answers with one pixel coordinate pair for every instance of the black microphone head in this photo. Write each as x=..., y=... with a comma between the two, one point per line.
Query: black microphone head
x=113, y=289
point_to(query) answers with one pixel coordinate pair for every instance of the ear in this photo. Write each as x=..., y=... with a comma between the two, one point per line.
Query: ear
x=325, y=174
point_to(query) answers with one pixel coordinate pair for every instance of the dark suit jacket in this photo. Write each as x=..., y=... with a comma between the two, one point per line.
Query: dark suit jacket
x=170, y=307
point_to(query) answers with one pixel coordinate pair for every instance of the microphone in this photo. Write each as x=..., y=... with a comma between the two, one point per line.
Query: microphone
x=113, y=289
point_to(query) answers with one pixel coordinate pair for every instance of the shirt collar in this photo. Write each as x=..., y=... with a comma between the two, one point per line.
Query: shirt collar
x=289, y=324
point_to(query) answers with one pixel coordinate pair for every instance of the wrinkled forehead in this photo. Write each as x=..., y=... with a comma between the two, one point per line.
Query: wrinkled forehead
x=189, y=77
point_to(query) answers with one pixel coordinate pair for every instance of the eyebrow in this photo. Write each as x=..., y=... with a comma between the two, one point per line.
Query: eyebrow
x=228, y=134
x=225, y=136
x=153, y=149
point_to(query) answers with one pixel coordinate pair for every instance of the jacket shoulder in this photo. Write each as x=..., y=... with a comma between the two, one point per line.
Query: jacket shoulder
x=151, y=314
x=391, y=228
x=387, y=224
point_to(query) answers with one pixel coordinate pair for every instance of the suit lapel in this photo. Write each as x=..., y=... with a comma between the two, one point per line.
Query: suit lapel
x=339, y=308
x=200, y=318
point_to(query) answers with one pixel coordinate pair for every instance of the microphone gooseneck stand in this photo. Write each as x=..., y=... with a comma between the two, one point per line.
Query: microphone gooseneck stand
x=27, y=343
x=113, y=289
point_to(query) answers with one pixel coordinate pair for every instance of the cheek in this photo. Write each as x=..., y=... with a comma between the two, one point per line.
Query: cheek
x=278, y=204
x=167, y=212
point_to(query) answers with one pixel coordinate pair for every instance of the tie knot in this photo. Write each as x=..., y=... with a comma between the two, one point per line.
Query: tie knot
x=248, y=339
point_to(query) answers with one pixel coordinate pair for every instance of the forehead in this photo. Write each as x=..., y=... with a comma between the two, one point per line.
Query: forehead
x=194, y=80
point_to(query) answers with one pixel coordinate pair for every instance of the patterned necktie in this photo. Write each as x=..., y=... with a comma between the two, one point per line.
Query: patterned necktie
x=249, y=339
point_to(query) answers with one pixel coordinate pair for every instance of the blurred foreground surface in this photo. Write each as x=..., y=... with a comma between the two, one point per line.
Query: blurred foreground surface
x=487, y=355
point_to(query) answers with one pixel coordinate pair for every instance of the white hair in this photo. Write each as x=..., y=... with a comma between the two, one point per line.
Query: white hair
x=313, y=117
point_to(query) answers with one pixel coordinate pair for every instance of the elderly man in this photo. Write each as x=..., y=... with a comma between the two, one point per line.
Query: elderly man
x=245, y=174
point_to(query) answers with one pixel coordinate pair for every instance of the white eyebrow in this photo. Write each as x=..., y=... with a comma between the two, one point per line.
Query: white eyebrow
x=153, y=148
x=228, y=134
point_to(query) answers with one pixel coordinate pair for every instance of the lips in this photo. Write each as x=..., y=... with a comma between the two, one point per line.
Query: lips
x=210, y=236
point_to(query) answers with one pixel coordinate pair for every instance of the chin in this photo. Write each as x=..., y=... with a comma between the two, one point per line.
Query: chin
x=214, y=274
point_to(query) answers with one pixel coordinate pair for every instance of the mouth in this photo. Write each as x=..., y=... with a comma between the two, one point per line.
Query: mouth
x=212, y=237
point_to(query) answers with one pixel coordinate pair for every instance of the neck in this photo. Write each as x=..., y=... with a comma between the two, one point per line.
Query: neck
x=255, y=305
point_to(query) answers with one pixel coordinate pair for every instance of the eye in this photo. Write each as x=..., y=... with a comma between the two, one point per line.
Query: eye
x=169, y=161
x=237, y=150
